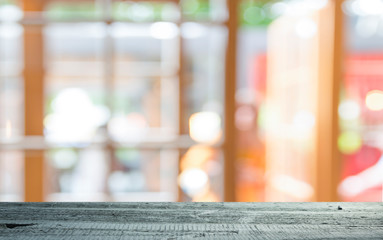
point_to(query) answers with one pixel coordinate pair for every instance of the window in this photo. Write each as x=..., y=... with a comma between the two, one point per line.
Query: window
x=118, y=114
x=190, y=100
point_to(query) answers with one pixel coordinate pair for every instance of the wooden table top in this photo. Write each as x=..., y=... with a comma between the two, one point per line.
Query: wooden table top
x=191, y=221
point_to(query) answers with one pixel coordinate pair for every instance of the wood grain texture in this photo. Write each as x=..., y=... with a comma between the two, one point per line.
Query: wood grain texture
x=191, y=221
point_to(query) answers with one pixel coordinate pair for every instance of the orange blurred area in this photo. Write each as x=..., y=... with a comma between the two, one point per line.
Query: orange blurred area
x=191, y=100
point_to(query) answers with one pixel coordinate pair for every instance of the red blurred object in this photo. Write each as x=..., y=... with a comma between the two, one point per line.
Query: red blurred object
x=355, y=163
x=259, y=75
x=364, y=73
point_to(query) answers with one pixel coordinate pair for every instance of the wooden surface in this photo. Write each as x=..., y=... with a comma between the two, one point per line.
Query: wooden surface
x=191, y=221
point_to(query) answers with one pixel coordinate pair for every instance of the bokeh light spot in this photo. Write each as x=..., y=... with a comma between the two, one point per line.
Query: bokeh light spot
x=374, y=100
x=349, y=142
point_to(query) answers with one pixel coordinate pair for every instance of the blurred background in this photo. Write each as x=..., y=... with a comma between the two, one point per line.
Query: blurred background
x=191, y=100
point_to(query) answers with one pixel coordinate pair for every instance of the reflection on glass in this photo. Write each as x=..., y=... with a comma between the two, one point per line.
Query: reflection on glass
x=193, y=182
x=11, y=176
x=76, y=175
x=203, y=10
x=146, y=65
x=10, y=12
x=11, y=88
x=75, y=108
x=11, y=101
x=201, y=174
x=143, y=175
x=250, y=117
x=361, y=110
x=204, y=55
x=205, y=127
x=276, y=106
x=127, y=175
x=74, y=117
x=63, y=10
x=374, y=100
x=145, y=11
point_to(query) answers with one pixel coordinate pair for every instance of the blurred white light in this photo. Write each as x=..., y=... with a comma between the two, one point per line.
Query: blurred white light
x=306, y=28
x=205, y=127
x=10, y=30
x=193, y=181
x=192, y=30
x=303, y=7
x=164, y=30
x=132, y=127
x=351, y=186
x=296, y=188
x=8, y=129
x=119, y=30
x=374, y=100
x=73, y=99
x=304, y=121
x=10, y=13
x=347, y=7
x=316, y=4
x=349, y=110
x=356, y=8
x=74, y=117
x=367, y=7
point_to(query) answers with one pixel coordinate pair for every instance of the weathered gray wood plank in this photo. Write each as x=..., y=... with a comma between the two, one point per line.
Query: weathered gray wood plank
x=191, y=221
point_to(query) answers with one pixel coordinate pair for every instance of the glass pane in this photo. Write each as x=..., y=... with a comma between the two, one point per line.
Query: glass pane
x=255, y=18
x=201, y=174
x=11, y=176
x=144, y=11
x=69, y=10
x=260, y=13
x=143, y=175
x=278, y=76
x=204, y=76
x=204, y=10
x=76, y=175
x=126, y=175
x=11, y=86
x=11, y=102
x=145, y=49
x=75, y=101
x=361, y=109
x=204, y=49
x=145, y=81
x=144, y=109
